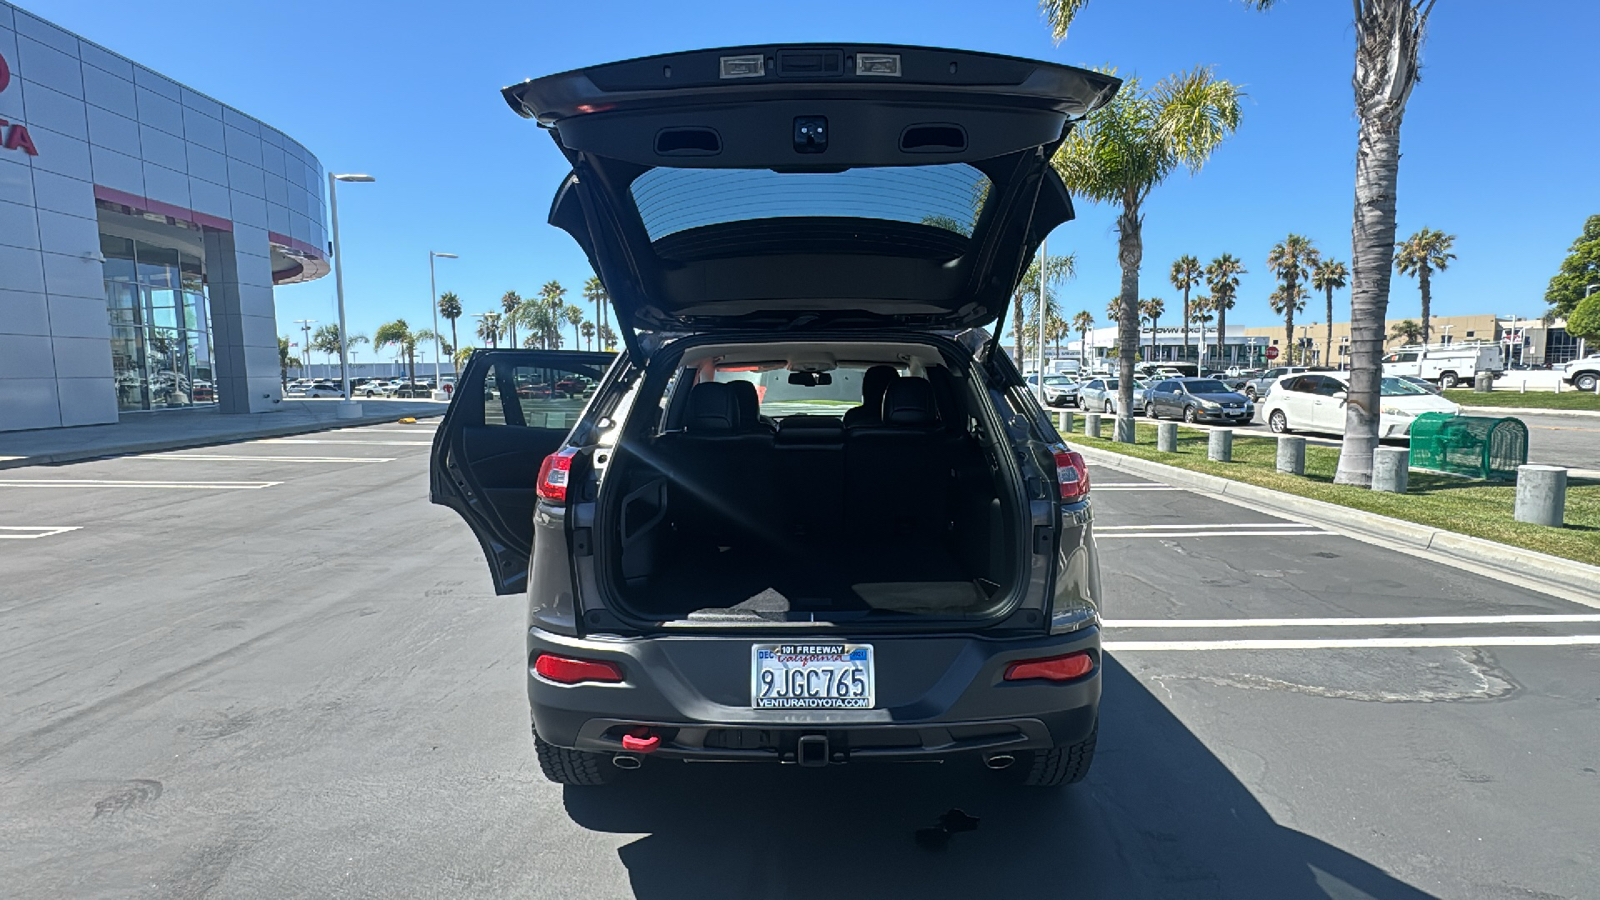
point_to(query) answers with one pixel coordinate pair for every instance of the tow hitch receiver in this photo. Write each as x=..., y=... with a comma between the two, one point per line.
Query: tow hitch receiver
x=812, y=751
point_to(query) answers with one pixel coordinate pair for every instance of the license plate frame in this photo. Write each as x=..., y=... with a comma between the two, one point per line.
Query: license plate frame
x=839, y=675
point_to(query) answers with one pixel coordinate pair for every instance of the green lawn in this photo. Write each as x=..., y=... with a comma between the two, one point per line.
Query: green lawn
x=1567, y=399
x=1469, y=507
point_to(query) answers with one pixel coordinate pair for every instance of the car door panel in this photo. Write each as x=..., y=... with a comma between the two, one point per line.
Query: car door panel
x=497, y=431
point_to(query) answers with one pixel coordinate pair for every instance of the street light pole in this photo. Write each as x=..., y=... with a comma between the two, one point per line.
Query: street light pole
x=305, y=342
x=348, y=407
x=1042, y=310
x=433, y=287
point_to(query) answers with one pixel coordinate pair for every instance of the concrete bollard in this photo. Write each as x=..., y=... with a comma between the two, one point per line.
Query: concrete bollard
x=1065, y=417
x=1541, y=495
x=1524, y=386
x=1292, y=455
x=1167, y=437
x=1483, y=383
x=1558, y=385
x=1122, y=427
x=1219, y=447
x=1091, y=425
x=1391, y=469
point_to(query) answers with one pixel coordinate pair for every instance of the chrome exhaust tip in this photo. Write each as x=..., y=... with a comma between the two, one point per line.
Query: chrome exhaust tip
x=626, y=761
x=999, y=760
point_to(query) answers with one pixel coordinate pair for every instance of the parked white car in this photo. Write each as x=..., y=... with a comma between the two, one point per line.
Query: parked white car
x=1315, y=401
x=1583, y=374
x=302, y=391
x=1447, y=364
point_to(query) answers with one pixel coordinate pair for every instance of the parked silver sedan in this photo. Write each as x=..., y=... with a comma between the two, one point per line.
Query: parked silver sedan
x=1100, y=394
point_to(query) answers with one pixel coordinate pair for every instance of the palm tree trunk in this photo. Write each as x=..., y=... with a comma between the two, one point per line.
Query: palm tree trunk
x=1186, y=312
x=1372, y=248
x=1130, y=253
x=1329, y=337
x=1289, y=289
x=1017, y=327
x=1424, y=282
x=1222, y=329
x=455, y=345
x=511, y=326
x=411, y=364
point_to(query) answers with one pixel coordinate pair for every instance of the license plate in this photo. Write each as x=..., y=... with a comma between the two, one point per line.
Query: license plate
x=812, y=676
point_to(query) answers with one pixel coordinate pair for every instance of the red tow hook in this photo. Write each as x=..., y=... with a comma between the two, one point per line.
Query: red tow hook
x=641, y=741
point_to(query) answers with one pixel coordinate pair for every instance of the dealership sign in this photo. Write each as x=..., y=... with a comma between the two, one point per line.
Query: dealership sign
x=15, y=134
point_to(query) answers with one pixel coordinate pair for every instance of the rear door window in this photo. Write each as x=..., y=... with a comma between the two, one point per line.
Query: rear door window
x=543, y=397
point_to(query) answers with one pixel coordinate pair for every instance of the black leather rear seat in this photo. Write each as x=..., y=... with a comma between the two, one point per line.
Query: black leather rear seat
x=897, y=471
x=809, y=466
x=719, y=472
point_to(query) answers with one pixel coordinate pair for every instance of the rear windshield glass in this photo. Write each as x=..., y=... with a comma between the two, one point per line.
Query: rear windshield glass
x=945, y=196
x=780, y=398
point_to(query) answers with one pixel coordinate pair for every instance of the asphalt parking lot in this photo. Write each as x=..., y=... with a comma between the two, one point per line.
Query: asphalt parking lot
x=272, y=669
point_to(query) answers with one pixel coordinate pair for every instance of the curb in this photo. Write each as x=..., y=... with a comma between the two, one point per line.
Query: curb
x=186, y=443
x=1532, y=568
x=1526, y=411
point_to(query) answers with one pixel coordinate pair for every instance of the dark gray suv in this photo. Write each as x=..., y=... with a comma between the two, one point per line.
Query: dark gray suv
x=811, y=514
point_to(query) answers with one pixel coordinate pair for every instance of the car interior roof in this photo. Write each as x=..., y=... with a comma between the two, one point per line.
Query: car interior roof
x=818, y=355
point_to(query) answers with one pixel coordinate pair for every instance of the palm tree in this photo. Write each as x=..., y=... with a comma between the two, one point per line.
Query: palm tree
x=553, y=294
x=286, y=358
x=461, y=356
x=1292, y=260
x=1118, y=155
x=1328, y=276
x=595, y=292
x=1286, y=302
x=1025, y=301
x=1422, y=254
x=489, y=328
x=398, y=334
x=1083, y=321
x=1388, y=37
x=1406, y=330
x=1200, y=310
x=608, y=338
x=587, y=330
x=511, y=301
x=325, y=340
x=1222, y=277
x=450, y=310
x=573, y=315
x=1151, y=310
x=1186, y=274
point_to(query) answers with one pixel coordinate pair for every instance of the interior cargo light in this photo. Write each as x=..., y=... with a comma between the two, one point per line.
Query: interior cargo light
x=1055, y=668
x=751, y=65
x=1073, y=474
x=878, y=64
x=563, y=670
x=553, y=475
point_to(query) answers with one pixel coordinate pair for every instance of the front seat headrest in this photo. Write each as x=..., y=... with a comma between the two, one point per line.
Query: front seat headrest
x=749, y=402
x=910, y=401
x=713, y=409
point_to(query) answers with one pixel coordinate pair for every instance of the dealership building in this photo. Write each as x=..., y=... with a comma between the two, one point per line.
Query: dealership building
x=143, y=226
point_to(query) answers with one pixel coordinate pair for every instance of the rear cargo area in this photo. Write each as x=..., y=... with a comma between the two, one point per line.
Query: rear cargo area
x=738, y=515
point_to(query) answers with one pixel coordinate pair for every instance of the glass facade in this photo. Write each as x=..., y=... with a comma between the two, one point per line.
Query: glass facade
x=160, y=336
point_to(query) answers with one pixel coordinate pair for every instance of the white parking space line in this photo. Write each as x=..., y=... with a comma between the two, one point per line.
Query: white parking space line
x=1212, y=534
x=1576, y=640
x=1352, y=622
x=1176, y=525
x=30, y=532
x=1141, y=487
x=417, y=429
x=323, y=441
x=1130, y=484
x=205, y=457
x=104, y=483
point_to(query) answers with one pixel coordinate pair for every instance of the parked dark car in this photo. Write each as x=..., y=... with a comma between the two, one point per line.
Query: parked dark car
x=717, y=570
x=1193, y=399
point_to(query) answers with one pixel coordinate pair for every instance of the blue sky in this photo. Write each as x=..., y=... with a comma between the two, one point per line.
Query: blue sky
x=1499, y=144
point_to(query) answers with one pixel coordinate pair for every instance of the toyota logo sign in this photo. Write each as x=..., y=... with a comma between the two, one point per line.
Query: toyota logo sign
x=15, y=134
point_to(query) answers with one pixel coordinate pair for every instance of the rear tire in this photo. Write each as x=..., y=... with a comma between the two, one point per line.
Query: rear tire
x=1447, y=380
x=1109, y=408
x=1060, y=765
x=573, y=767
x=1150, y=410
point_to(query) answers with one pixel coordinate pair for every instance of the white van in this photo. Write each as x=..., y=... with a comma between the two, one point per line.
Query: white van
x=1446, y=364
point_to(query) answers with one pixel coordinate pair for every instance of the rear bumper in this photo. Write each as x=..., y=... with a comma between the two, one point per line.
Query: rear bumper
x=937, y=697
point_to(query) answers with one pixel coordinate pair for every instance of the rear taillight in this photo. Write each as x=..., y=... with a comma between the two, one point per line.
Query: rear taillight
x=564, y=670
x=1073, y=474
x=1054, y=668
x=554, y=474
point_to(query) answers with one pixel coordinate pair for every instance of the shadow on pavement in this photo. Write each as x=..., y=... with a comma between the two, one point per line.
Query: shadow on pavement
x=1160, y=816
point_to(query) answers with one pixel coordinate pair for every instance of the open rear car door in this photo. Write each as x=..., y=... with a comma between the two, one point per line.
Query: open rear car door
x=823, y=186
x=510, y=409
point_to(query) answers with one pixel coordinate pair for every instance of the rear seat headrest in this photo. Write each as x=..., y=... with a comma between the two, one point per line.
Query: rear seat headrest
x=910, y=401
x=713, y=409
x=749, y=402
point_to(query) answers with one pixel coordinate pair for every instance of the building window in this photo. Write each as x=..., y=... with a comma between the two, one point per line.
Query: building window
x=1472, y=334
